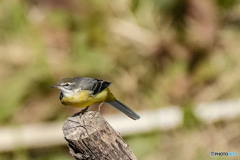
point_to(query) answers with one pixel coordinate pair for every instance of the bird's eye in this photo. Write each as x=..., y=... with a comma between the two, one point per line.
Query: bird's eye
x=67, y=84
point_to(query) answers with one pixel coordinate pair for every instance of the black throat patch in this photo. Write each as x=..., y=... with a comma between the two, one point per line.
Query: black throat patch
x=61, y=96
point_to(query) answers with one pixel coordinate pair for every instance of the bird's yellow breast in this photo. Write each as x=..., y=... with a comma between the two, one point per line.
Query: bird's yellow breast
x=84, y=98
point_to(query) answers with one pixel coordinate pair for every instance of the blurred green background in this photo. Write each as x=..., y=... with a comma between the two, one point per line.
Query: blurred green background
x=157, y=53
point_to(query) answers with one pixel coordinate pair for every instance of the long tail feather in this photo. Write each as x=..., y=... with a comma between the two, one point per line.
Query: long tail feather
x=125, y=109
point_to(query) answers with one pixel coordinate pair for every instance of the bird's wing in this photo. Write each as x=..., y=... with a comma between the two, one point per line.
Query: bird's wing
x=94, y=85
x=99, y=86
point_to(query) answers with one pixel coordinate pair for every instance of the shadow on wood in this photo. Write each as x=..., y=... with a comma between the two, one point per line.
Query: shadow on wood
x=91, y=137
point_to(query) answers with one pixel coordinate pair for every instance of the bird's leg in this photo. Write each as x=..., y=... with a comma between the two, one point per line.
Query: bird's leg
x=83, y=111
x=98, y=110
x=99, y=107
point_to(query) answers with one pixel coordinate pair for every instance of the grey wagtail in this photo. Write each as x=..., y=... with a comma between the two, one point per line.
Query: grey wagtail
x=85, y=91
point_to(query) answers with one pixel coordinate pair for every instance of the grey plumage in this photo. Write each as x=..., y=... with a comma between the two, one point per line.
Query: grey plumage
x=92, y=84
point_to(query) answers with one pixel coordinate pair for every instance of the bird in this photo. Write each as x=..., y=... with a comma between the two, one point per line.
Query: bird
x=85, y=91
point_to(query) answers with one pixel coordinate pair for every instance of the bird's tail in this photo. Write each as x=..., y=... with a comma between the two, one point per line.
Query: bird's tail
x=124, y=108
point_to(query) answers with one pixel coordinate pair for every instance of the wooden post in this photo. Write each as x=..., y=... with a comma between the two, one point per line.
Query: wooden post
x=91, y=137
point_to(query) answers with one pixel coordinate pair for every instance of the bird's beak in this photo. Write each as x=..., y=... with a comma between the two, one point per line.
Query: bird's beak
x=55, y=86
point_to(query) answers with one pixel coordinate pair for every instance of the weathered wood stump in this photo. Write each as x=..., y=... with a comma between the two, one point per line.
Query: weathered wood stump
x=91, y=137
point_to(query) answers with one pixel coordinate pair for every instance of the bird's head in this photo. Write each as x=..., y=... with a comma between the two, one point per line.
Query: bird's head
x=67, y=85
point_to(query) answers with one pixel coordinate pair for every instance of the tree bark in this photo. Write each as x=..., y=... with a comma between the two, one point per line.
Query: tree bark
x=91, y=137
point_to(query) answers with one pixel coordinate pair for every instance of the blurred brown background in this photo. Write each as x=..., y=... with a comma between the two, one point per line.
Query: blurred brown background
x=157, y=53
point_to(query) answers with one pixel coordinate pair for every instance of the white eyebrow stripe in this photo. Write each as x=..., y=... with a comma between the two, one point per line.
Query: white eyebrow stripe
x=70, y=83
